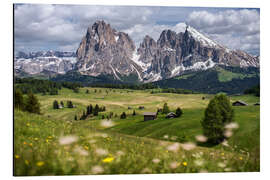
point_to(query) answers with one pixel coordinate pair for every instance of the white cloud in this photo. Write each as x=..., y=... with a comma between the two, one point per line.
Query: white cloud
x=238, y=29
x=62, y=27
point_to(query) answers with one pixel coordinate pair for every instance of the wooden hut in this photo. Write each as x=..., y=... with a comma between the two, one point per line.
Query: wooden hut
x=149, y=116
x=239, y=103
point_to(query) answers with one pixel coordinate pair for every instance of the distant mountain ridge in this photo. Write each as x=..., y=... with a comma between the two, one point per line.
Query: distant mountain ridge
x=103, y=51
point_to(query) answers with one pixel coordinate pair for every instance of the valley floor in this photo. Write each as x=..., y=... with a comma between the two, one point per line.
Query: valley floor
x=55, y=144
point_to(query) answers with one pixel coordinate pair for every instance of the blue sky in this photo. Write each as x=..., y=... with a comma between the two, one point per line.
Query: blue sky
x=61, y=27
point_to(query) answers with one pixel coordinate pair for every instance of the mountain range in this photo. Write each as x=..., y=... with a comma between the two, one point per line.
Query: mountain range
x=104, y=51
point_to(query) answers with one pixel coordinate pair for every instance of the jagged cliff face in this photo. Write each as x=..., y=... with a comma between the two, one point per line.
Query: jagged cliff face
x=175, y=53
x=103, y=50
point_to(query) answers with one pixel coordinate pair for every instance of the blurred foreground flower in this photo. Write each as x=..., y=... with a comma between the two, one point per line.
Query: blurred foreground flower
x=97, y=169
x=107, y=123
x=188, y=146
x=198, y=162
x=201, y=138
x=101, y=152
x=156, y=161
x=184, y=163
x=108, y=159
x=40, y=163
x=67, y=140
x=81, y=151
x=228, y=133
x=174, y=165
x=174, y=147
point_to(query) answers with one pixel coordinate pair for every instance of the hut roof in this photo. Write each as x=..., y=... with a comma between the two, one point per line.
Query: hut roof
x=241, y=102
x=149, y=113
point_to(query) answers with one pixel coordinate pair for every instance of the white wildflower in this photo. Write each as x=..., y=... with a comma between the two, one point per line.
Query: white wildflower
x=156, y=161
x=201, y=138
x=120, y=153
x=174, y=147
x=146, y=170
x=101, y=152
x=107, y=123
x=198, y=162
x=221, y=165
x=188, y=146
x=97, y=169
x=227, y=169
x=81, y=151
x=67, y=140
x=174, y=165
x=228, y=133
x=225, y=143
x=166, y=136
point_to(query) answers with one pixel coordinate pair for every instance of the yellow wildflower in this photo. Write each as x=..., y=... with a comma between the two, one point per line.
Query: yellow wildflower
x=108, y=159
x=26, y=162
x=40, y=163
x=24, y=143
x=222, y=154
x=30, y=144
x=241, y=158
x=49, y=137
x=36, y=139
x=17, y=156
x=184, y=163
x=28, y=124
x=86, y=147
x=47, y=140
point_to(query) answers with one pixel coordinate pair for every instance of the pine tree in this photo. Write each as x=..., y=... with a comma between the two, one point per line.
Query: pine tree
x=178, y=112
x=62, y=103
x=32, y=105
x=90, y=109
x=217, y=114
x=87, y=91
x=69, y=104
x=55, y=104
x=75, y=117
x=165, y=109
x=134, y=113
x=18, y=99
x=123, y=115
x=96, y=110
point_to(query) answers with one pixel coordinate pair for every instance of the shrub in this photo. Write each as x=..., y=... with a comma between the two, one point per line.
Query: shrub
x=32, y=104
x=178, y=112
x=123, y=115
x=165, y=109
x=70, y=104
x=55, y=104
x=18, y=99
x=218, y=113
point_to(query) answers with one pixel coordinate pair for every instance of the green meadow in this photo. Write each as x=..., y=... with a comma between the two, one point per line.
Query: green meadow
x=53, y=143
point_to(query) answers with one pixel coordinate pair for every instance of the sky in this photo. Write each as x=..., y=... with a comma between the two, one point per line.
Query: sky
x=61, y=27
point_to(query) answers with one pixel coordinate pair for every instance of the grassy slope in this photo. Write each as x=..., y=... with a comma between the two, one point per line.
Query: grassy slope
x=141, y=147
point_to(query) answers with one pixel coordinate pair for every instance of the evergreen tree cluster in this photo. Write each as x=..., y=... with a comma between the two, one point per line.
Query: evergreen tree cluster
x=90, y=110
x=29, y=103
x=255, y=90
x=27, y=85
x=57, y=105
x=174, y=90
x=218, y=113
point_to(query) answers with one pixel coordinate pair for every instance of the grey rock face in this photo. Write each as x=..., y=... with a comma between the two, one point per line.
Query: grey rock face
x=175, y=53
x=52, y=61
x=103, y=50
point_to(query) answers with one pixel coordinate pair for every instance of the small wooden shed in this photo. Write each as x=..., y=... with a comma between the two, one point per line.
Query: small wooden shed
x=149, y=116
x=239, y=103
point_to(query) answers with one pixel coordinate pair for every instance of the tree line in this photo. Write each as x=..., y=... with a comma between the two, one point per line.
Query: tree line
x=27, y=85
